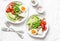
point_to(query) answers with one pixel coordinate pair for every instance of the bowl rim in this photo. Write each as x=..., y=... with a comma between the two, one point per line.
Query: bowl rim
x=22, y=19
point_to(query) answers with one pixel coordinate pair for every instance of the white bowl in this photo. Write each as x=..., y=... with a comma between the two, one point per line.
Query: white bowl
x=35, y=3
x=37, y=36
x=40, y=9
x=25, y=16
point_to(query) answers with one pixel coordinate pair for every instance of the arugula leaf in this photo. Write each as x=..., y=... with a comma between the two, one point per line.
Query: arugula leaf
x=16, y=8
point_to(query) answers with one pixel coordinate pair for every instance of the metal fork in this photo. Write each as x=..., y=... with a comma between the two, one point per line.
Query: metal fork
x=8, y=27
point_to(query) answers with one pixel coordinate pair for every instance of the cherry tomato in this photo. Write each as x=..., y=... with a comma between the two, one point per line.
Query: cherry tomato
x=12, y=11
x=43, y=22
x=11, y=7
x=43, y=29
x=11, y=4
x=8, y=10
x=43, y=25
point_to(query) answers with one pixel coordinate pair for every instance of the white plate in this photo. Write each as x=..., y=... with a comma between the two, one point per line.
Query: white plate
x=38, y=36
x=25, y=14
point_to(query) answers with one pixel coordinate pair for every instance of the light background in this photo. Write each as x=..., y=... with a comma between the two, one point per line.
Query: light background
x=52, y=8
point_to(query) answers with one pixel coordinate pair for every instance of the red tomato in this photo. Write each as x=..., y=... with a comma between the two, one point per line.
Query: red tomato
x=43, y=29
x=43, y=22
x=12, y=11
x=11, y=7
x=8, y=10
x=11, y=4
x=43, y=25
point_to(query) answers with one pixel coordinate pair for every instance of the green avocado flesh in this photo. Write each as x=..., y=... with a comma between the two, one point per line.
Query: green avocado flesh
x=12, y=17
x=33, y=21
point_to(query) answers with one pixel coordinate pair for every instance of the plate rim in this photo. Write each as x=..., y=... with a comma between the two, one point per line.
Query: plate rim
x=38, y=36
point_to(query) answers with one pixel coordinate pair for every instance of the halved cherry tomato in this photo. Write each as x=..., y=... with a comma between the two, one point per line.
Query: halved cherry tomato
x=43, y=22
x=11, y=4
x=8, y=10
x=11, y=7
x=43, y=29
x=43, y=25
x=12, y=11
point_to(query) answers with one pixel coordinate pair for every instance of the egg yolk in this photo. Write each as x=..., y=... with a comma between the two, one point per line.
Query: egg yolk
x=23, y=8
x=33, y=32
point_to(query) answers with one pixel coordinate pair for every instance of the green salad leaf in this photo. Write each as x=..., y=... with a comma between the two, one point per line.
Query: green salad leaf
x=33, y=21
x=16, y=8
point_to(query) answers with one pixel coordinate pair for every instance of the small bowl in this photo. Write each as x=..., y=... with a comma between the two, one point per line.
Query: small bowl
x=34, y=4
x=39, y=9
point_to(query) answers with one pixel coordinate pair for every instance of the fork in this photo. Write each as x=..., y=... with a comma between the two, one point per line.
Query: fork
x=12, y=30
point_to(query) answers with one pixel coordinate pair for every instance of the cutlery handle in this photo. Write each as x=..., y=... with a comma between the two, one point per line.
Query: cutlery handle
x=17, y=31
x=20, y=35
x=8, y=25
x=11, y=30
